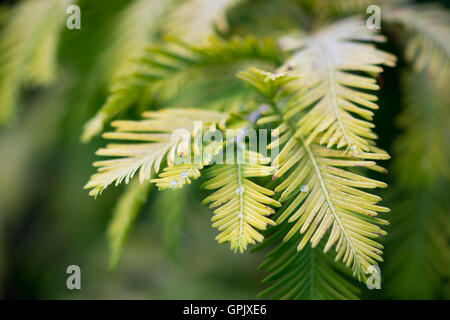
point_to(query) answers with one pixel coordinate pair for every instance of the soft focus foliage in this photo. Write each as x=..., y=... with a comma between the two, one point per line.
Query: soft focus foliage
x=422, y=203
x=138, y=72
x=28, y=46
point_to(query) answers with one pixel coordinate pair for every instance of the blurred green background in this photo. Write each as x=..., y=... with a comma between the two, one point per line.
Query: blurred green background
x=49, y=222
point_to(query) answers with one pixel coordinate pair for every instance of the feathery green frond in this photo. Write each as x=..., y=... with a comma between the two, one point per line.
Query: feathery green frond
x=171, y=217
x=240, y=205
x=305, y=275
x=420, y=226
x=194, y=21
x=125, y=212
x=418, y=249
x=327, y=197
x=428, y=46
x=163, y=65
x=137, y=25
x=165, y=134
x=28, y=47
x=324, y=195
x=333, y=102
x=425, y=121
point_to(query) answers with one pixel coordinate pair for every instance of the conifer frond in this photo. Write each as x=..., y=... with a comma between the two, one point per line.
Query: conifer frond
x=170, y=210
x=164, y=136
x=136, y=26
x=425, y=121
x=324, y=195
x=176, y=176
x=327, y=197
x=194, y=21
x=420, y=199
x=428, y=46
x=334, y=103
x=28, y=47
x=420, y=221
x=305, y=275
x=124, y=214
x=166, y=63
x=240, y=205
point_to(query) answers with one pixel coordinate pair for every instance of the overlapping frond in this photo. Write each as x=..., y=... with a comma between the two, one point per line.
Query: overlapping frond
x=194, y=21
x=334, y=103
x=175, y=60
x=176, y=176
x=305, y=275
x=324, y=195
x=165, y=134
x=240, y=205
x=428, y=45
x=28, y=47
